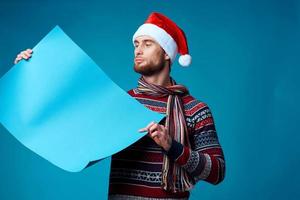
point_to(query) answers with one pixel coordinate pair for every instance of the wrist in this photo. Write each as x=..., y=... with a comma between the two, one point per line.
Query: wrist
x=168, y=145
x=175, y=150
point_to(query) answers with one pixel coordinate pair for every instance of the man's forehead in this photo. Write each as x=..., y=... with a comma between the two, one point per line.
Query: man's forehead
x=143, y=38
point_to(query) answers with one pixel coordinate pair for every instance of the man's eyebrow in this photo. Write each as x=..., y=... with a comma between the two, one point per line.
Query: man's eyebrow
x=145, y=40
x=148, y=40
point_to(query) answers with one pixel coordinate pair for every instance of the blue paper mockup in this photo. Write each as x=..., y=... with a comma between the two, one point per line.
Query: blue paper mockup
x=63, y=107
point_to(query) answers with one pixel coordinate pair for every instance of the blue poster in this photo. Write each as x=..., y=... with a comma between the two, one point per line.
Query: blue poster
x=63, y=107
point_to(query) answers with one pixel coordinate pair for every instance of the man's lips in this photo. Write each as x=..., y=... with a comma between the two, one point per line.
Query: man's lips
x=138, y=60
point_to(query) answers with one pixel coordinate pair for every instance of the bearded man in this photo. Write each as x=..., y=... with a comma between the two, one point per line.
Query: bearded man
x=180, y=150
x=183, y=148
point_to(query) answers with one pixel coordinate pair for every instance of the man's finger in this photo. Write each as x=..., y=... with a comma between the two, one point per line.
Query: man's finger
x=143, y=130
x=147, y=127
x=160, y=127
x=24, y=56
x=27, y=54
x=153, y=127
x=18, y=58
x=154, y=134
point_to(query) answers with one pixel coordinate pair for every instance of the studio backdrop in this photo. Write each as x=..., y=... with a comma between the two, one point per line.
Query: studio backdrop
x=246, y=67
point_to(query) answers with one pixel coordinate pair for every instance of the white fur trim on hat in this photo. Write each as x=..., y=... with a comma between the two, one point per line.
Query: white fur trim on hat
x=185, y=60
x=163, y=38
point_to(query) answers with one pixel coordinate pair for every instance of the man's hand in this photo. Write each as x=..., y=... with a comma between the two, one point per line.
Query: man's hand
x=23, y=55
x=159, y=134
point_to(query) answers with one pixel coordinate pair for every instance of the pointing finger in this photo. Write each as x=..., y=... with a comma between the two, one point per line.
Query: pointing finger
x=147, y=127
x=27, y=53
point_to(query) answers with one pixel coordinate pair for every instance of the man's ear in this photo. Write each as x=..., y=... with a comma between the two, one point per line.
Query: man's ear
x=167, y=57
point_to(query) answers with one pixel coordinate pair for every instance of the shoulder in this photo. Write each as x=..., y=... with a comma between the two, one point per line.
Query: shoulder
x=193, y=105
x=133, y=92
x=198, y=110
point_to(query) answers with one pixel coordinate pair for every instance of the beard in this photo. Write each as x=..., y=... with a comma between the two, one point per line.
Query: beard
x=149, y=69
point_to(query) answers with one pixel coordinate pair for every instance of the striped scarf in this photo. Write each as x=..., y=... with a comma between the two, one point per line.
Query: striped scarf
x=176, y=126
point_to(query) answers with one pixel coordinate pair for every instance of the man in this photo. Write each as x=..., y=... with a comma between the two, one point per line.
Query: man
x=180, y=150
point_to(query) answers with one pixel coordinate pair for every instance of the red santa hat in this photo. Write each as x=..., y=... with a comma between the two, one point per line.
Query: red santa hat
x=168, y=35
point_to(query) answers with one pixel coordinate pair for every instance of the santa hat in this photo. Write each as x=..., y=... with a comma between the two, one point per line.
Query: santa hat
x=168, y=35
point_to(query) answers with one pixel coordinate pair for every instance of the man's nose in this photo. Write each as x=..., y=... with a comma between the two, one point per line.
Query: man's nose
x=138, y=51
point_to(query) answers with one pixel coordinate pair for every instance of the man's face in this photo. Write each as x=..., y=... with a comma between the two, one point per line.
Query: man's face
x=149, y=57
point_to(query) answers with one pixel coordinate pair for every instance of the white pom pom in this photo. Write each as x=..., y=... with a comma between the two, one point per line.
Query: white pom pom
x=185, y=60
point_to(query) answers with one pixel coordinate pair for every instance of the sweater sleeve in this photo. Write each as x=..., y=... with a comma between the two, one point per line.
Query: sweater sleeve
x=205, y=159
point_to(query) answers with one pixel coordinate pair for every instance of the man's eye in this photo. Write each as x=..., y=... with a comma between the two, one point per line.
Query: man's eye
x=148, y=44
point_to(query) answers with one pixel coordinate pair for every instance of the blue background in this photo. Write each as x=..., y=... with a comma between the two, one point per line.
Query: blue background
x=245, y=67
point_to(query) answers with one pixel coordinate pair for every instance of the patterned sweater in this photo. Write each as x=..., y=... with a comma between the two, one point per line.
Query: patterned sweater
x=137, y=169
